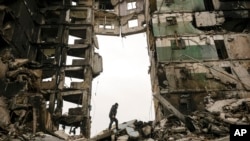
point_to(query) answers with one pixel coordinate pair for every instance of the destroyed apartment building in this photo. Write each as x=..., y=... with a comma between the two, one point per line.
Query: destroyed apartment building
x=199, y=64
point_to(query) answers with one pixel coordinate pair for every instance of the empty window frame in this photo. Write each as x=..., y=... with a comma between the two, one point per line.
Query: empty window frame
x=185, y=103
x=78, y=16
x=48, y=34
x=133, y=23
x=107, y=26
x=178, y=44
x=73, y=3
x=221, y=49
x=105, y=5
x=171, y=21
x=228, y=70
x=131, y=5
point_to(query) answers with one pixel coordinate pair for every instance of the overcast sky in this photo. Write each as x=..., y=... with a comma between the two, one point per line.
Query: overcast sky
x=124, y=80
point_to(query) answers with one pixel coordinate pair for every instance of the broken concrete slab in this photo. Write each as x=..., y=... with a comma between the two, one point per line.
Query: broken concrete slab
x=62, y=134
x=123, y=138
x=218, y=105
x=132, y=133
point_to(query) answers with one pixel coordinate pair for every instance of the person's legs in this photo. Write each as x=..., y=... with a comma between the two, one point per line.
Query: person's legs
x=116, y=123
x=111, y=122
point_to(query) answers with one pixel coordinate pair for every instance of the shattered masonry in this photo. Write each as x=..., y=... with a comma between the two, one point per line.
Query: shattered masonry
x=198, y=50
x=34, y=49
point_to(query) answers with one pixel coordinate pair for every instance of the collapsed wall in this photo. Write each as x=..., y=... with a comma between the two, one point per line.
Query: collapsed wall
x=35, y=45
x=198, y=49
x=199, y=54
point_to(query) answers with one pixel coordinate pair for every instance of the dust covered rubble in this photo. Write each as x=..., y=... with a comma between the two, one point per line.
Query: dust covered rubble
x=40, y=136
x=213, y=123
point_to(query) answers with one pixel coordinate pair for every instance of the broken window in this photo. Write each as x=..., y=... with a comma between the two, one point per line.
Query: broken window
x=107, y=26
x=132, y=23
x=80, y=33
x=131, y=5
x=171, y=21
x=185, y=103
x=101, y=26
x=178, y=44
x=72, y=40
x=47, y=79
x=73, y=3
x=169, y=2
x=221, y=49
x=185, y=74
x=78, y=16
x=48, y=34
x=105, y=5
x=227, y=69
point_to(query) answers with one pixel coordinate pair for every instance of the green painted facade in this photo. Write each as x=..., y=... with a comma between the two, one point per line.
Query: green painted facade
x=181, y=5
x=199, y=52
x=183, y=28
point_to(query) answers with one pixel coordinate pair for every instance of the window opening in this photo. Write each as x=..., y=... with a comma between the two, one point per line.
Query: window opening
x=73, y=3
x=131, y=5
x=227, y=69
x=105, y=5
x=171, y=21
x=221, y=49
x=185, y=103
x=109, y=26
x=101, y=26
x=178, y=44
x=133, y=23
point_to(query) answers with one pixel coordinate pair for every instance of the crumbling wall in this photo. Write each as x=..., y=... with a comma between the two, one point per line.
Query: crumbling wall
x=117, y=18
x=33, y=64
x=198, y=52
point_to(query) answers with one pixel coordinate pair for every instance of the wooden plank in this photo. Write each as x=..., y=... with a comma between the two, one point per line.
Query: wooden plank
x=170, y=107
x=187, y=121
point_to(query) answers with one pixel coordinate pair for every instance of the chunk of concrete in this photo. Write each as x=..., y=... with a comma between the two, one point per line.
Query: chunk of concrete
x=147, y=130
x=132, y=133
x=218, y=105
x=62, y=134
x=123, y=138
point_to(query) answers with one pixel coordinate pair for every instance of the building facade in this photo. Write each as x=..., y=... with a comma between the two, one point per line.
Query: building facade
x=197, y=49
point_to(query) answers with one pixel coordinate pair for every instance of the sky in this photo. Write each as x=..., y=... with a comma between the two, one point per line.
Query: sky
x=124, y=80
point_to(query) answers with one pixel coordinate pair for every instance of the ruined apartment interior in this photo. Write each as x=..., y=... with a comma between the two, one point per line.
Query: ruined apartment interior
x=199, y=54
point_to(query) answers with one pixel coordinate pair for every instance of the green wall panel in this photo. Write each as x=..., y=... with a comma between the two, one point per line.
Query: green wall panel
x=196, y=52
x=183, y=28
x=182, y=5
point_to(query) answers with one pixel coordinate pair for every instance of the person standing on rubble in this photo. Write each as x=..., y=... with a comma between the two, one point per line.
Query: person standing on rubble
x=112, y=116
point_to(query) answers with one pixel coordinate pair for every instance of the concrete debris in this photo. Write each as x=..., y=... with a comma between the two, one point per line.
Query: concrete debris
x=57, y=136
x=26, y=137
x=62, y=134
x=210, y=124
x=123, y=138
x=199, y=66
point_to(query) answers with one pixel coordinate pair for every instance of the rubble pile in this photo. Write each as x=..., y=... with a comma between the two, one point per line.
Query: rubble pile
x=211, y=124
